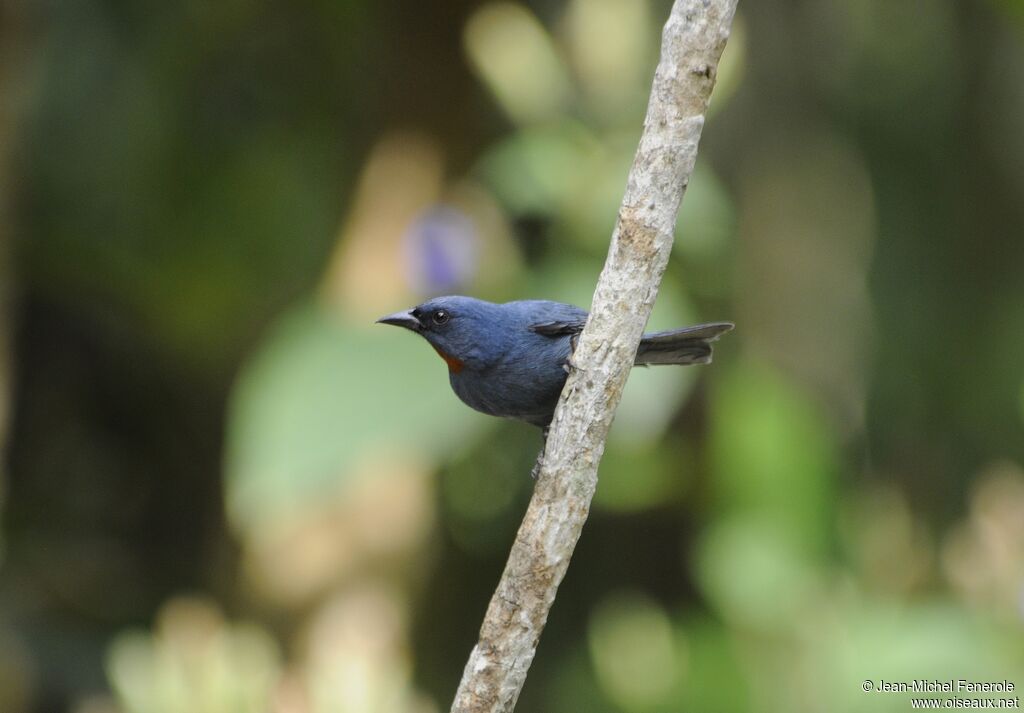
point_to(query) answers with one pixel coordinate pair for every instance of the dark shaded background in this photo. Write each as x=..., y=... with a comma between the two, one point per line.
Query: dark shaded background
x=224, y=490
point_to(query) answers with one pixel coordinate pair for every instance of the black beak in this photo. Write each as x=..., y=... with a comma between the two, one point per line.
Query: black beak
x=402, y=319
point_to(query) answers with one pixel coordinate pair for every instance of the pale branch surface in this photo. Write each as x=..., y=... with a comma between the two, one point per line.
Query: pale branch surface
x=692, y=44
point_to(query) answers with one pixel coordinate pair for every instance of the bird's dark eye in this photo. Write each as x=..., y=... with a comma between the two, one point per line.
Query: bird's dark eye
x=440, y=316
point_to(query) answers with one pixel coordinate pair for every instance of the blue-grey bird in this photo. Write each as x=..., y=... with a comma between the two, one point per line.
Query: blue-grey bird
x=511, y=359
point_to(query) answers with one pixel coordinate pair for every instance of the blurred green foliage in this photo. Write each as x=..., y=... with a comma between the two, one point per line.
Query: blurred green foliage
x=226, y=490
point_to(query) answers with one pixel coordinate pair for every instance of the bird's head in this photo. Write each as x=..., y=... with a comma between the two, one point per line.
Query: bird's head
x=466, y=332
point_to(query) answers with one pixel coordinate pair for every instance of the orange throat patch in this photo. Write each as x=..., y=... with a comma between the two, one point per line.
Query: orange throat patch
x=454, y=365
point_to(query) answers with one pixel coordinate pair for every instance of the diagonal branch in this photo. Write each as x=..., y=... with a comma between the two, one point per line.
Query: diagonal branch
x=692, y=45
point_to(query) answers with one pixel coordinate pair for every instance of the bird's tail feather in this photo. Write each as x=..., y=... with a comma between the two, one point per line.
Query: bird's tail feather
x=690, y=345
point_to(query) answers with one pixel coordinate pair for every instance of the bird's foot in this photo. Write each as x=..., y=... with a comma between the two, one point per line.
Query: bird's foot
x=535, y=473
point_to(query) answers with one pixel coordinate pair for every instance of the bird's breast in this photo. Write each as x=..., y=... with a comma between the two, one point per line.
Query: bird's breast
x=454, y=365
x=525, y=384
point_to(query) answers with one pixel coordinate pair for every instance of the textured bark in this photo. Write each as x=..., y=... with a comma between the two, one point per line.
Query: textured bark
x=692, y=45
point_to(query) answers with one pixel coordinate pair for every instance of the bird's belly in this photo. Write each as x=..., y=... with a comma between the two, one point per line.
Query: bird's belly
x=527, y=396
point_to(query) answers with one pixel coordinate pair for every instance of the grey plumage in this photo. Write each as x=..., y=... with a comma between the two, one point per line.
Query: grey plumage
x=689, y=345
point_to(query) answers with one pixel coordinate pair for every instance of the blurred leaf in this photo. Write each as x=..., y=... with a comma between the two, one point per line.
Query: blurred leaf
x=379, y=517
x=515, y=56
x=1022, y=402
x=612, y=45
x=594, y=198
x=400, y=181
x=715, y=680
x=887, y=544
x=356, y=654
x=707, y=217
x=483, y=488
x=638, y=659
x=321, y=394
x=638, y=477
x=1013, y=8
x=773, y=455
x=882, y=55
x=18, y=674
x=261, y=217
x=534, y=170
x=194, y=661
x=754, y=573
x=574, y=686
x=983, y=558
x=140, y=203
x=930, y=640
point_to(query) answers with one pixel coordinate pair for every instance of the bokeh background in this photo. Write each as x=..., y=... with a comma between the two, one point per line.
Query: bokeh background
x=226, y=491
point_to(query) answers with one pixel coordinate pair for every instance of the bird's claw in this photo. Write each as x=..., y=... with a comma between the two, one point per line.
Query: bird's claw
x=535, y=473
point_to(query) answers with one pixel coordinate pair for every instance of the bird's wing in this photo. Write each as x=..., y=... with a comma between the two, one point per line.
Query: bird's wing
x=558, y=328
x=552, y=319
